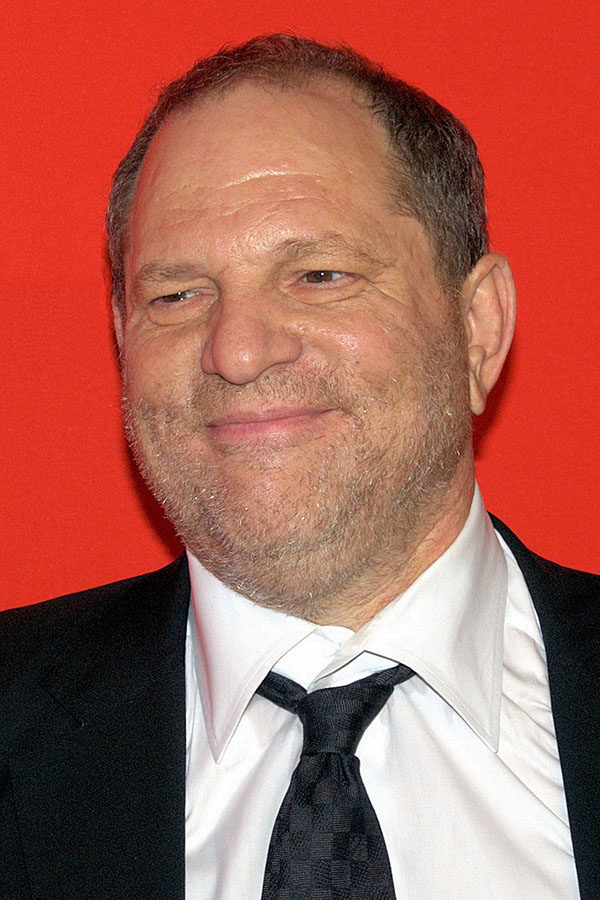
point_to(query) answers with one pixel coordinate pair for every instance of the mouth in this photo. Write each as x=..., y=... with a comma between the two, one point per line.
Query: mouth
x=267, y=422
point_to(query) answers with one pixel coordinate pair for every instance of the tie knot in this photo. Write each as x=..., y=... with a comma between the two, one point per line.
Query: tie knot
x=335, y=719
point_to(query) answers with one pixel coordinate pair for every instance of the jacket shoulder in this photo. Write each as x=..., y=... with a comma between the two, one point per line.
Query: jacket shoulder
x=569, y=589
x=50, y=627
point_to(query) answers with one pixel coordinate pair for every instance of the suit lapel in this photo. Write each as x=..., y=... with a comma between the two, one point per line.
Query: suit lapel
x=98, y=778
x=568, y=606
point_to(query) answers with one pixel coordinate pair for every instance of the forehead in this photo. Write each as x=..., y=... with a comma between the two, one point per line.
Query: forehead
x=254, y=132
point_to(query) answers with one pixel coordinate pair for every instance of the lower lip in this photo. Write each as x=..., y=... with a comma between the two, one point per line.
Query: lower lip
x=267, y=428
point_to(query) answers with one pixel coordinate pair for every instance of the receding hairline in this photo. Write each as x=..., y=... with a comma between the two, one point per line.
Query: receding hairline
x=436, y=174
x=305, y=82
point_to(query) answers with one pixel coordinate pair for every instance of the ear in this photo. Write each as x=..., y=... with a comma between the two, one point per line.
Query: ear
x=490, y=305
x=118, y=321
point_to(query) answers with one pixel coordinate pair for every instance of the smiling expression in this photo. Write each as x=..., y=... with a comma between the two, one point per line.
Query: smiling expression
x=295, y=384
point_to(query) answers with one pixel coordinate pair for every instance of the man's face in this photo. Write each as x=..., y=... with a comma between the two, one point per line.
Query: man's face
x=294, y=378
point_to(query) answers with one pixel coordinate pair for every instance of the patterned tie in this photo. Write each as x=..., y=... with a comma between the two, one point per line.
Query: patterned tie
x=327, y=843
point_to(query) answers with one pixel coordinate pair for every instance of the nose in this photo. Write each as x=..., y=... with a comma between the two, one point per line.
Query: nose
x=246, y=337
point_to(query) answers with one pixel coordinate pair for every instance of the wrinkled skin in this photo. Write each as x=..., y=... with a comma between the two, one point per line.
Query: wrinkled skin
x=296, y=382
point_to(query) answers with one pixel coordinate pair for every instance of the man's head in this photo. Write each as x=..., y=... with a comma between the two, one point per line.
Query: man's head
x=297, y=364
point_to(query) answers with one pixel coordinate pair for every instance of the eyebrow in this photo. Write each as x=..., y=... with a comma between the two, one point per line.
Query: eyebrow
x=161, y=272
x=331, y=241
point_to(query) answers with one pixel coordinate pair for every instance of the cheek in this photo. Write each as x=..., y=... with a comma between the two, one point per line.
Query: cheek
x=350, y=347
x=369, y=349
x=157, y=365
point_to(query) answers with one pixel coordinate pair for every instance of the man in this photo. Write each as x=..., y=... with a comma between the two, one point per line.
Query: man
x=307, y=315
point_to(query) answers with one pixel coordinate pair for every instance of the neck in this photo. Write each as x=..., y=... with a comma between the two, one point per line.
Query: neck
x=399, y=565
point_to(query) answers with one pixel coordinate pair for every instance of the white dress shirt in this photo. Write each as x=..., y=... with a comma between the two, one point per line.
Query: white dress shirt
x=461, y=765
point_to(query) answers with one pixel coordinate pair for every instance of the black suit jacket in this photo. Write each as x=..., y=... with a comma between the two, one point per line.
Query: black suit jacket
x=92, y=733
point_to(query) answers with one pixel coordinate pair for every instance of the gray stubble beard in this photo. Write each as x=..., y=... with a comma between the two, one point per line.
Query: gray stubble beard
x=344, y=518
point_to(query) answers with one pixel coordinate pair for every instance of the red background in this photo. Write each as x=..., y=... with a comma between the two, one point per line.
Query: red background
x=78, y=77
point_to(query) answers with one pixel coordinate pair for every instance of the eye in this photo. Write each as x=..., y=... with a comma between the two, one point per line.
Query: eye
x=180, y=306
x=322, y=276
x=175, y=298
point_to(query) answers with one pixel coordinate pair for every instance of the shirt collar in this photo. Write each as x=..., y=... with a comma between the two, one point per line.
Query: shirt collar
x=447, y=626
x=235, y=644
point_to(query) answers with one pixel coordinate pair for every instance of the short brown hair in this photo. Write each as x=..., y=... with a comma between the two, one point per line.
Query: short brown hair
x=439, y=178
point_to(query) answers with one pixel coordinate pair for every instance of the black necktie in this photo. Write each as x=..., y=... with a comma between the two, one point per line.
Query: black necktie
x=327, y=843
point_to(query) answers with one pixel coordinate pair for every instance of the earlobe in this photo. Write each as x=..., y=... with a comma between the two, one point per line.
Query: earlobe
x=490, y=304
